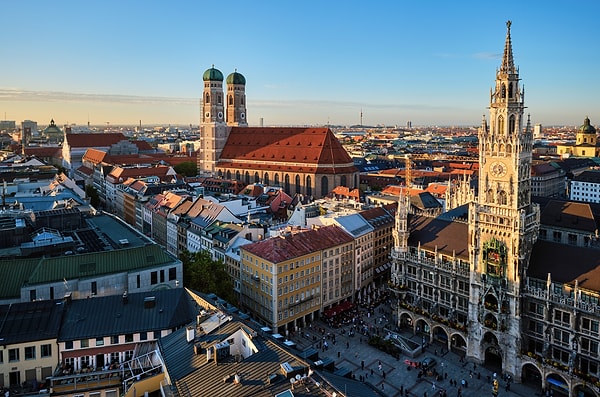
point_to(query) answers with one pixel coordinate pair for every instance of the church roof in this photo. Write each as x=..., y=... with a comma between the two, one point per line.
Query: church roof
x=587, y=127
x=314, y=150
x=90, y=140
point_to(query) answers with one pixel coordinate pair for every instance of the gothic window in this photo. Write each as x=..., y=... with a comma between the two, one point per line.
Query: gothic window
x=256, y=177
x=510, y=90
x=286, y=183
x=509, y=148
x=276, y=181
x=308, y=186
x=266, y=179
x=511, y=124
x=298, y=187
x=219, y=99
x=228, y=174
x=500, y=125
x=220, y=173
x=207, y=100
x=502, y=198
x=324, y=186
x=231, y=99
x=503, y=91
x=247, y=178
x=502, y=148
x=237, y=175
x=490, y=196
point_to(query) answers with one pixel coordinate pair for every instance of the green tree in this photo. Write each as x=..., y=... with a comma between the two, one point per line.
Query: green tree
x=187, y=168
x=91, y=192
x=203, y=274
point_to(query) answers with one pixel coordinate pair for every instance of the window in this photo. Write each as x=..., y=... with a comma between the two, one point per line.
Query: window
x=114, y=340
x=561, y=317
x=589, y=326
x=143, y=336
x=84, y=343
x=30, y=353
x=32, y=295
x=536, y=309
x=138, y=281
x=45, y=350
x=172, y=273
x=99, y=341
x=154, y=278
x=162, y=276
x=1, y=356
x=156, y=334
x=13, y=355
x=128, y=338
x=94, y=288
x=69, y=345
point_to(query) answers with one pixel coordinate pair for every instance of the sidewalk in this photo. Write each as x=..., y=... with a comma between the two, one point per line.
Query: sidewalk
x=391, y=375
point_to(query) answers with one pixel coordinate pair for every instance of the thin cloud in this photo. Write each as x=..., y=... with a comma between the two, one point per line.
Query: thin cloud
x=487, y=55
x=12, y=94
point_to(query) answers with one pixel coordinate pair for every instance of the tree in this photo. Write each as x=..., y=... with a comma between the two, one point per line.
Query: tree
x=187, y=168
x=203, y=274
x=90, y=191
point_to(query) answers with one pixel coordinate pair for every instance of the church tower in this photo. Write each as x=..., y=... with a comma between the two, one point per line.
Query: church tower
x=236, y=100
x=503, y=223
x=213, y=129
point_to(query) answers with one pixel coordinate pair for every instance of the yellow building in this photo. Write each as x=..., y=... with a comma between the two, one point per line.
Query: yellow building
x=586, y=142
x=284, y=279
x=29, y=351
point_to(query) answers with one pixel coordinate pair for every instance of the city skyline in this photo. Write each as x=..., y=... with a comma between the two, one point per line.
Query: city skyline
x=309, y=64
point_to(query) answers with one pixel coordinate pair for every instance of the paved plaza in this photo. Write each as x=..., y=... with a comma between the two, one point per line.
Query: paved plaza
x=390, y=375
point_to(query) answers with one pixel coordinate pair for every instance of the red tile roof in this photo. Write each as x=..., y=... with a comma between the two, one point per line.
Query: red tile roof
x=122, y=174
x=314, y=150
x=293, y=245
x=43, y=151
x=94, y=140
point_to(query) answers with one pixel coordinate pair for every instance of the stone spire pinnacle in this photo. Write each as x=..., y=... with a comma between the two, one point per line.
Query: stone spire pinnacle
x=508, y=65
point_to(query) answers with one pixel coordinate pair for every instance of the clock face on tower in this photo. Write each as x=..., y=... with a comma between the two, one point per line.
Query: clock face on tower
x=497, y=169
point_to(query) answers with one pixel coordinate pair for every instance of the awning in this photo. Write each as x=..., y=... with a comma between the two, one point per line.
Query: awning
x=338, y=309
x=561, y=385
x=383, y=267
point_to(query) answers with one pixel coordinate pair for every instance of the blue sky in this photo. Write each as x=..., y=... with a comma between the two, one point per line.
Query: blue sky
x=305, y=62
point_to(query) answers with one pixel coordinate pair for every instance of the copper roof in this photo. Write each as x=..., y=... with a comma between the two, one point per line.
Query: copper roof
x=314, y=150
x=293, y=245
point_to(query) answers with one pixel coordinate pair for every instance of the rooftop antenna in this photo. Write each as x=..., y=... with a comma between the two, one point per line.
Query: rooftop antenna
x=361, y=117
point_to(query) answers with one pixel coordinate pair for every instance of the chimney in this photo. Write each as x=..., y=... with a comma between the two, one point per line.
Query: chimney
x=125, y=298
x=189, y=334
x=149, y=302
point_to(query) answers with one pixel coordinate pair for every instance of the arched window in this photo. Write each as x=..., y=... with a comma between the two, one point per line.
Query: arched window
x=324, y=185
x=308, y=186
x=343, y=181
x=510, y=90
x=220, y=174
x=231, y=99
x=500, y=125
x=219, y=99
x=286, y=184
x=298, y=187
x=256, y=177
x=266, y=179
x=228, y=174
x=490, y=196
x=237, y=175
x=207, y=99
x=247, y=178
x=276, y=180
x=242, y=100
x=511, y=124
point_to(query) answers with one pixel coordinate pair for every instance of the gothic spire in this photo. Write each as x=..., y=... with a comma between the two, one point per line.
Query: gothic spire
x=508, y=65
